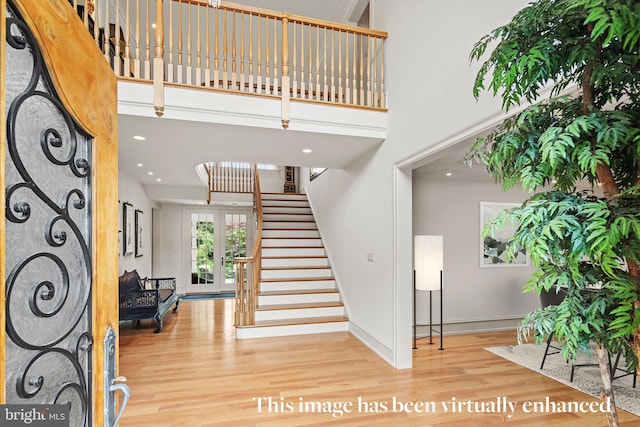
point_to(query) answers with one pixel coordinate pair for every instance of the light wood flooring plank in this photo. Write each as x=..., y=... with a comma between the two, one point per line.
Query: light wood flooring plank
x=195, y=373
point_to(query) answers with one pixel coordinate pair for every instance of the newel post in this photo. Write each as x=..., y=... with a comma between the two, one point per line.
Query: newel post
x=286, y=79
x=158, y=61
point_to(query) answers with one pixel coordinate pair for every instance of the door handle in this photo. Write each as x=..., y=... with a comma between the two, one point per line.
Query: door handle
x=124, y=389
x=113, y=384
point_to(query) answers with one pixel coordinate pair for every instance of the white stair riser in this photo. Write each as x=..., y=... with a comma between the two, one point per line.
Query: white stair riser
x=280, y=210
x=294, y=262
x=297, y=286
x=280, y=331
x=290, y=233
x=287, y=217
x=282, y=203
x=296, y=274
x=268, y=225
x=284, y=196
x=284, y=251
x=299, y=313
x=290, y=242
x=298, y=298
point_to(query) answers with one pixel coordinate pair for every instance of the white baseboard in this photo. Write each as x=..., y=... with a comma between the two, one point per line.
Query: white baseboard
x=467, y=327
x=378, y=347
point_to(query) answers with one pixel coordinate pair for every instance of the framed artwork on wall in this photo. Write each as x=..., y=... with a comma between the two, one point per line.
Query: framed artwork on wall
x=139, y=229
x=492, y=248
x=127, y=228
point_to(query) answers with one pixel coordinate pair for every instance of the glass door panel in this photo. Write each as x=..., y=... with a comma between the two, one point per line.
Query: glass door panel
x=235, y=245
x=203, y=253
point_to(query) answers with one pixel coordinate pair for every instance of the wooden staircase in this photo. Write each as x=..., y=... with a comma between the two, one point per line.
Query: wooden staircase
x=297, y=290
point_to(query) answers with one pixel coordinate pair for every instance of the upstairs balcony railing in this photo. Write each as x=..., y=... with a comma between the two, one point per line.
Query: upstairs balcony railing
x=238, y=49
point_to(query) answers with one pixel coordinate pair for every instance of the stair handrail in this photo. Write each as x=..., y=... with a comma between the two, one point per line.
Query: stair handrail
x=248, y=269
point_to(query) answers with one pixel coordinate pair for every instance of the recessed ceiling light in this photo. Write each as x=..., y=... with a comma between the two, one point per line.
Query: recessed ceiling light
x=307, y=150
x=201, y=203
x=140, y=165
x=448, y=174
x=158, y=179
x=150, y=173
x=139, y=138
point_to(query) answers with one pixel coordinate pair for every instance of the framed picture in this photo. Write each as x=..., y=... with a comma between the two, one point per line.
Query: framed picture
x=127, y=228
x=139, y=229
x=492, y=248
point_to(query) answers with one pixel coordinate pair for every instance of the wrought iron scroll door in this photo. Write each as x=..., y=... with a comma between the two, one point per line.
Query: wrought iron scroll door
x=48, y=247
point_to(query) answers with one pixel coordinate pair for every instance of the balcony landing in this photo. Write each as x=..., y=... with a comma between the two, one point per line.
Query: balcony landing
x=207, y=125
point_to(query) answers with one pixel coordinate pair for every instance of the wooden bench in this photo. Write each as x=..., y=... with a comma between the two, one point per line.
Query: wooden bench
x=148, y=298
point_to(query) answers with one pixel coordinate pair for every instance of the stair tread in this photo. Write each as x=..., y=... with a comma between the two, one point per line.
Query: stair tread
x=296, y=279
x=288, y=213
x=290, y=229
x=282, y=206
x=290, y=237
x=299, y=292
x=299, y=306
x=298, y=267
x=288, y=221
x=292, y=247
x=270, y=201
x=282, y=193
x=302, y=321
x=296, y=257
x=291, y=215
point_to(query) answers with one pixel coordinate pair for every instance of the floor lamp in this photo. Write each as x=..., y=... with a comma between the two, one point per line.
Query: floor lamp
x=427, y=276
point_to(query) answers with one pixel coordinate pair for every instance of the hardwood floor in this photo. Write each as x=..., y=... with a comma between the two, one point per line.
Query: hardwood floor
x=195, y=373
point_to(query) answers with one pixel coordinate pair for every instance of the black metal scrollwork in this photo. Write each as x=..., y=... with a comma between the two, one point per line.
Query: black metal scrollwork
x=48, y=236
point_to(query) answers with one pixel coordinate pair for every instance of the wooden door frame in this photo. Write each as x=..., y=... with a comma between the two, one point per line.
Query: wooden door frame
x=67, y=47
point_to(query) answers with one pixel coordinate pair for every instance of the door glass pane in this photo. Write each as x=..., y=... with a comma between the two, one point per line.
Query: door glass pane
x=202, y=248
x=235, y=244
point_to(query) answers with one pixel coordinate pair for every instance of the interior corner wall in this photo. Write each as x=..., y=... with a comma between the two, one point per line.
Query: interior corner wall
x=304, y=179
x=475, y=298
x=131, y=191
x=169, y=237
x=429, y=83
x=353, y=210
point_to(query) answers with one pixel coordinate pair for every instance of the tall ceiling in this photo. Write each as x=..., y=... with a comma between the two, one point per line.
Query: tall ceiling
x=163, y=155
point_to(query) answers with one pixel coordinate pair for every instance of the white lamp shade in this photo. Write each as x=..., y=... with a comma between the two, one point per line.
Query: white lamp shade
x=428, y=262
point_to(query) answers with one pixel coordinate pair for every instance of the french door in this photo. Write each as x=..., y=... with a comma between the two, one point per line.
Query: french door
x=216, y=238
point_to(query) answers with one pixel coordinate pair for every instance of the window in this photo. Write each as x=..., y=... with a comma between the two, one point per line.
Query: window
x=315, y=172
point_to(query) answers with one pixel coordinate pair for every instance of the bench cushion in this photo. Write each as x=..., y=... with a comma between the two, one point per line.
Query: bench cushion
x=129, y=281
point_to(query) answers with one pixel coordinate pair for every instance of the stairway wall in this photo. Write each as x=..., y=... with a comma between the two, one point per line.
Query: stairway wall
x=366, y=207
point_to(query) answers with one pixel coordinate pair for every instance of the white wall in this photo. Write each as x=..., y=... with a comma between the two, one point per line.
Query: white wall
x=169, y=238
x=132, y=192
x=475, y=298
x=366, y=207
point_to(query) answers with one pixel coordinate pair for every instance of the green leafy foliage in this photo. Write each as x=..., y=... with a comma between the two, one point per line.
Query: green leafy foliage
x=586, y=55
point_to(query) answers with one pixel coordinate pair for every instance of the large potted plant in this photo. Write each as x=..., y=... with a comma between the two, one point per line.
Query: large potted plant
x=586, y=53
